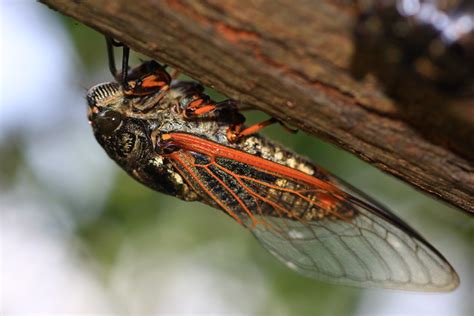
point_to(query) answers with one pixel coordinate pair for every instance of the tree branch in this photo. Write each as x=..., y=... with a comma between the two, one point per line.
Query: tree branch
x=302, y=63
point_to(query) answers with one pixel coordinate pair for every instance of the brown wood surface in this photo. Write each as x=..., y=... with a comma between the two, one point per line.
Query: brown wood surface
x=300, y=61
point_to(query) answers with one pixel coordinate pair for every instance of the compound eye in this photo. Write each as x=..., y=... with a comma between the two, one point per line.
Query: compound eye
x=108, y=122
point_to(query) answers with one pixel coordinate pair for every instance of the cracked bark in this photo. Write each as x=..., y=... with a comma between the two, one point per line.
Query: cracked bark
x=303, y=64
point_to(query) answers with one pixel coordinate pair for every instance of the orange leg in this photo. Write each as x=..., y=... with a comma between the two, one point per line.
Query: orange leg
x=157, y=81
x=200, y=105
x=197, y=107
x=235, y=132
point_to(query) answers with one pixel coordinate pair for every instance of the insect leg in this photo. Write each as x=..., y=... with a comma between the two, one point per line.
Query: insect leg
x=235, y=132
x=196, y=105
x=122, y=76
x=111, y=56
x=200, y=104
x=125, y=56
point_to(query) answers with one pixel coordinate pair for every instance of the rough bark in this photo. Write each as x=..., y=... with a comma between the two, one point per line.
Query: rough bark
x=301, y=62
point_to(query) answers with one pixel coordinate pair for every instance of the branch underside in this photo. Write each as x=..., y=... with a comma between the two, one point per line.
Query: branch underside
x=305, y=65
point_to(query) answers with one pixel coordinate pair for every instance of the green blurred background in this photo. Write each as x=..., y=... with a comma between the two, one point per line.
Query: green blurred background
x=79, y=235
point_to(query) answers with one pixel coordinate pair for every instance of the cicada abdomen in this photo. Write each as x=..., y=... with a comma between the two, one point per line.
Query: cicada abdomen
x=175, y=139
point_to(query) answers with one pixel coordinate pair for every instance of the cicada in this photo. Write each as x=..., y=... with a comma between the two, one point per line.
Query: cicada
x=172, y=137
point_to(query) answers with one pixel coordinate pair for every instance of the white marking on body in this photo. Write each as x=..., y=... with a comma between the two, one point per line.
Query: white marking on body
x=305, y=168
x=291, y=162
x=266, y=153
x=281, y=182
x=157, y=161
x=278, y=155
x=177, y=178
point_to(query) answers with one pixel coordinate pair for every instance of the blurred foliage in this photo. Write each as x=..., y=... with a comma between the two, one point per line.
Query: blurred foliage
x=12, y=160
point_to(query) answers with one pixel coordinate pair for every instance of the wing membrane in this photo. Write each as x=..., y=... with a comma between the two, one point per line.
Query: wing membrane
x=322, y=233
x=362, y=253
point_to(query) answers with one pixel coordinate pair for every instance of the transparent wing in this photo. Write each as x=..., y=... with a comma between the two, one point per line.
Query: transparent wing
x=369, y=250
x=356, y=242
